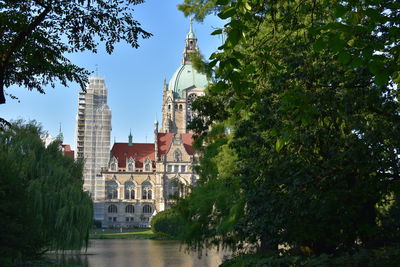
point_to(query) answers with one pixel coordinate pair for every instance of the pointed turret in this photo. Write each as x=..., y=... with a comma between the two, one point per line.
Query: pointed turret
x=190, y=45
x=156, y=139
x=130, y=138
x=60, y=135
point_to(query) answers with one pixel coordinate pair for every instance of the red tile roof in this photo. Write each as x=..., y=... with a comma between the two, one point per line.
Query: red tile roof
x=137, y=151
x=188, y=142
x=165, y=141
x=67, y=151
x=141, y=151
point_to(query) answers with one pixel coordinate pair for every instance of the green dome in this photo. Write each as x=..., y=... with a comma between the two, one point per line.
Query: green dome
x=185, y=77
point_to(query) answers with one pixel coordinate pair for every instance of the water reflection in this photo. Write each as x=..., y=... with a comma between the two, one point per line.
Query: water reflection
x=141, y=253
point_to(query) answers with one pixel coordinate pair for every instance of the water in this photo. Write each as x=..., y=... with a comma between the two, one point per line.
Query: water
x=139, y=253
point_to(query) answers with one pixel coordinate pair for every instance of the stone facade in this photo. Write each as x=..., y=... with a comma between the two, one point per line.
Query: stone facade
x=142, y=179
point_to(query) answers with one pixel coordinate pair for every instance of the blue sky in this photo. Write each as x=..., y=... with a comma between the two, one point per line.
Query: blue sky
x=134, y=77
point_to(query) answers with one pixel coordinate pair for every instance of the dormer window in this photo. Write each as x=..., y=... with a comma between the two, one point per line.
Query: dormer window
x=113, y=166
x=131, y=164
x=147, y=165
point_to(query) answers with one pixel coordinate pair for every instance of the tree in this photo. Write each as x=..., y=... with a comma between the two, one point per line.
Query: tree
x=307, y=91
x=36, y=36
x=42, y=204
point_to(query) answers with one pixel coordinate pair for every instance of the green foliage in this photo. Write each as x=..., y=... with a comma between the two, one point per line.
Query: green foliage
x=307, y=91
x=213, y=211
x=367, y=258
x=43, y=206
x=167, y=222
x=36, y=35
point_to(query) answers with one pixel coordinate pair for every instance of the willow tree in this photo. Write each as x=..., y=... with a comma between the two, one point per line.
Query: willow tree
x=307, y=93
x=42, y=204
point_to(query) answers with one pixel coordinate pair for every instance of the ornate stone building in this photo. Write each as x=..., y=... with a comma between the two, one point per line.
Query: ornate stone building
x=141, y=179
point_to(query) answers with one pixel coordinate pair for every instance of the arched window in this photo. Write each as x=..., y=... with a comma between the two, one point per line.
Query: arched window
x=129, y=190
x=147, y=167
x=147, y=190
x=130, y=209
x=174, y=187
x=147, y=209
x=112, y=190
x=113, y=166
x=112, y=209
x=180, y=107
x=177, y=155
x=131, y=164
x=130, y=167
x=169, y=107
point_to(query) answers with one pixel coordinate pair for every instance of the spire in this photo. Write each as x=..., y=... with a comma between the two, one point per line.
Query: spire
x=190, y=45
x=60, y=135
x=191, y=33
x=130, y=138
x=156, y=125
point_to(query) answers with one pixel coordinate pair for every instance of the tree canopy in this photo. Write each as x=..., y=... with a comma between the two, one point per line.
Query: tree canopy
x=42, y=203
x=306, y=102
x=36, y=36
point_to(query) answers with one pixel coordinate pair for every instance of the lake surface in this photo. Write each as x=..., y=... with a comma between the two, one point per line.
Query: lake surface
x=140, y=253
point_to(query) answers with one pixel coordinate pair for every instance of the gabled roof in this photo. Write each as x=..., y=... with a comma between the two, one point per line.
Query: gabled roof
x=138, y=151
x=165, y=141
x=187, y=139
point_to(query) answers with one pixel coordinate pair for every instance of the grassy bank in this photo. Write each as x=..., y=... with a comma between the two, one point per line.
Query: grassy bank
x=126, y=234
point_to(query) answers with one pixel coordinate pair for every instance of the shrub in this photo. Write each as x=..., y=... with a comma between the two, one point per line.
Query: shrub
x=167, y=222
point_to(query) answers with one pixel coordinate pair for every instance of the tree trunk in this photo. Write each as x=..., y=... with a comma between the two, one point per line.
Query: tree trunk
x=2, y=96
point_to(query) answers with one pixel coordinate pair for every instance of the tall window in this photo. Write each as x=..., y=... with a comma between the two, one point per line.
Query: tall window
x=130, y=209
x=146, y=190
x=174, y=186
x=147, y=167
x=113, y=166
x=112, y=209
x=131, y=164
x=147, y=209
x=112, y=190
x=129, y=190
x=177, y=155
x=130, y=167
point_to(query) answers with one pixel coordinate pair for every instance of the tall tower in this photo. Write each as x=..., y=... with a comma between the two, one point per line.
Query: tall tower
x=185, y=85
x=93, y=138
